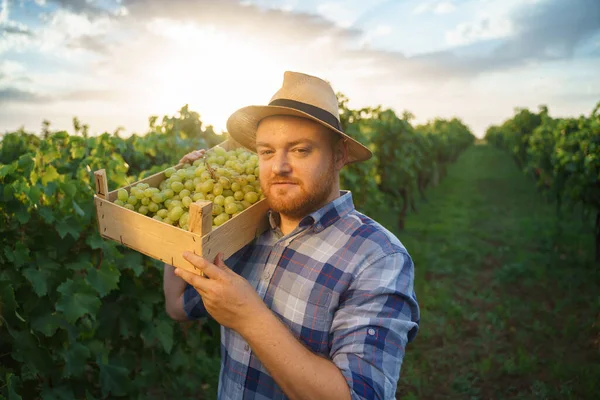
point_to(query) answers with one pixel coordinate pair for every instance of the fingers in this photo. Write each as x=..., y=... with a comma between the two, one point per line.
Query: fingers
x=201, y=284
x=193, y=156
x=219, y=261
x=209, y=269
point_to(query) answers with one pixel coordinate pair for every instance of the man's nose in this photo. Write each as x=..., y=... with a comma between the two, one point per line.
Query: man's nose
x=281, y=165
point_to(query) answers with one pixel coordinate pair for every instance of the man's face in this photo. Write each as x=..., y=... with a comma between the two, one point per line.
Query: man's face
x=298, y=173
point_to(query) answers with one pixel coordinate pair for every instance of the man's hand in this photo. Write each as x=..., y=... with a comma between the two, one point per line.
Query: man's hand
x=234, y=303
x=193, y=156
x=228, y=297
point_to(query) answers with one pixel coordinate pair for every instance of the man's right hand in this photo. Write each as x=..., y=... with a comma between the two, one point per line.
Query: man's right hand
x=193, y=156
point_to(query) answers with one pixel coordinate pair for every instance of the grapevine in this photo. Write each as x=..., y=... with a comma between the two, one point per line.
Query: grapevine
x=84, y=317
x=561, y=154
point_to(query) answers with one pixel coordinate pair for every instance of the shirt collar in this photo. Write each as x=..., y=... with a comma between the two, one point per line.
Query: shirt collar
x=324, y=216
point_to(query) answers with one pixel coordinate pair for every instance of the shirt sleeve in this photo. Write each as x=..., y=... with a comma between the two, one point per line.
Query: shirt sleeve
x=193, y=304
x=378, y=315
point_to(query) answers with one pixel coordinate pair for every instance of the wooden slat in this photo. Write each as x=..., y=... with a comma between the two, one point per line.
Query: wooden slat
x=201, y=217
x=101, y=183
x=156, y=239
x=237, y=232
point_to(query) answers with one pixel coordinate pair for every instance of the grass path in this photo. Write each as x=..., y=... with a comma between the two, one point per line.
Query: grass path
x=510, y=300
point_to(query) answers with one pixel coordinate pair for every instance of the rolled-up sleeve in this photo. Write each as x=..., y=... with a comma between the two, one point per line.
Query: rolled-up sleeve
x=378, y=315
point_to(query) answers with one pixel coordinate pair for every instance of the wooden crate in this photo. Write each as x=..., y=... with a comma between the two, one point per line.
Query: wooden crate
x=167, y=243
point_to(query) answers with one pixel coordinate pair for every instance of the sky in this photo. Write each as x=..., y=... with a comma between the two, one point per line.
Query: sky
x=114, y=63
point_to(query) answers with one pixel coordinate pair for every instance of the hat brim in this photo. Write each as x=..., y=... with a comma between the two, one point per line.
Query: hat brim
x=243, y=123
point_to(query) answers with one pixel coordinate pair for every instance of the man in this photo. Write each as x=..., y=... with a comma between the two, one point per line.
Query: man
x=320, y=306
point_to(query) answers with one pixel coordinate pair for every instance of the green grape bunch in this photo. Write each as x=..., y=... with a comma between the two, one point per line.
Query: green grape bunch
x=229, y=179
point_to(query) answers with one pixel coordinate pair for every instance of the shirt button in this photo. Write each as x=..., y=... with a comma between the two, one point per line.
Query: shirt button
x=266, y=276
x=246, y=347
x=371, y=331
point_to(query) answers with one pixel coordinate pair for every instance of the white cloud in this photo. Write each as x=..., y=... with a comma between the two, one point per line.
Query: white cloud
x=337, y=12
x=121, y=12
x=4, y=12
x=11, y=68
x=61, y=34
x=436, y=7
x=14, y=42
x=422, y=8
x=289, y=6
x=71, y=25
x=483, y=29
x=382, y=30
x=492, y=19
x=379, y=31
x=444, y=7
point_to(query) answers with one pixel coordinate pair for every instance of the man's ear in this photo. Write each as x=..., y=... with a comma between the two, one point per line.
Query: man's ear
x=340, y=153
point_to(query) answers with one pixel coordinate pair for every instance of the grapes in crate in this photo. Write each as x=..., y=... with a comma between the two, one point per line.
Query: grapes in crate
x=229, y=179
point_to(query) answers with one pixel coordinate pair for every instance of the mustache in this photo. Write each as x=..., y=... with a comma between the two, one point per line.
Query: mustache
x=283, y=180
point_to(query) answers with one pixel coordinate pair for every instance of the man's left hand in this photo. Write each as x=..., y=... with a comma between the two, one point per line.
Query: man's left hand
x=227, y=296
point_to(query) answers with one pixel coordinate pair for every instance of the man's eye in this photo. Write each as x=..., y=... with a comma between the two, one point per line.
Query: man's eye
x=264, y=152
x=302, y=150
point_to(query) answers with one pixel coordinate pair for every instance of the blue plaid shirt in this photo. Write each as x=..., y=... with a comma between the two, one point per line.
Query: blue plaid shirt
x=343, y=284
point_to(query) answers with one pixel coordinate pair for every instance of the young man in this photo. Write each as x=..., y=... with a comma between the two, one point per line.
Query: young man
x=320, y=306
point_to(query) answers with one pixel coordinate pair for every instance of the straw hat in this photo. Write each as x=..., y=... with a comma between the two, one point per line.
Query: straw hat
x=300, y=95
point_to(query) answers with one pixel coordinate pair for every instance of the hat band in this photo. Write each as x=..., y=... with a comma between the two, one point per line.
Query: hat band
x=314, y=111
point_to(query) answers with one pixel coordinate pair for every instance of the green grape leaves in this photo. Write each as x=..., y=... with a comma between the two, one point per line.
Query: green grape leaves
x=561, y=154
x=78, y=152
x=63, y=392
x=134, y=261
x=13, y=382
x=76, y=357
x=7, y=169
x=46, y=323
x=47, y=214
x=19, y=255
x=7, y=295
x=78, y=210
x=160, y=331
x=38, y=278
x=77, y=299
x=103, y=279
x=164, y=334
x=68, y=226
x=69, y=188
x=49, y=175
x=34, y=194
x=114, y=379
x=95, y=241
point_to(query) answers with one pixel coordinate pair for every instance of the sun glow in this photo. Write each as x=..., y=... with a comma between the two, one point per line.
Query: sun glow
x=214, y=72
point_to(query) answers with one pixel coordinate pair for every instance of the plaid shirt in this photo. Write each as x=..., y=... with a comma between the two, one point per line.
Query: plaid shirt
x=343, y=285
